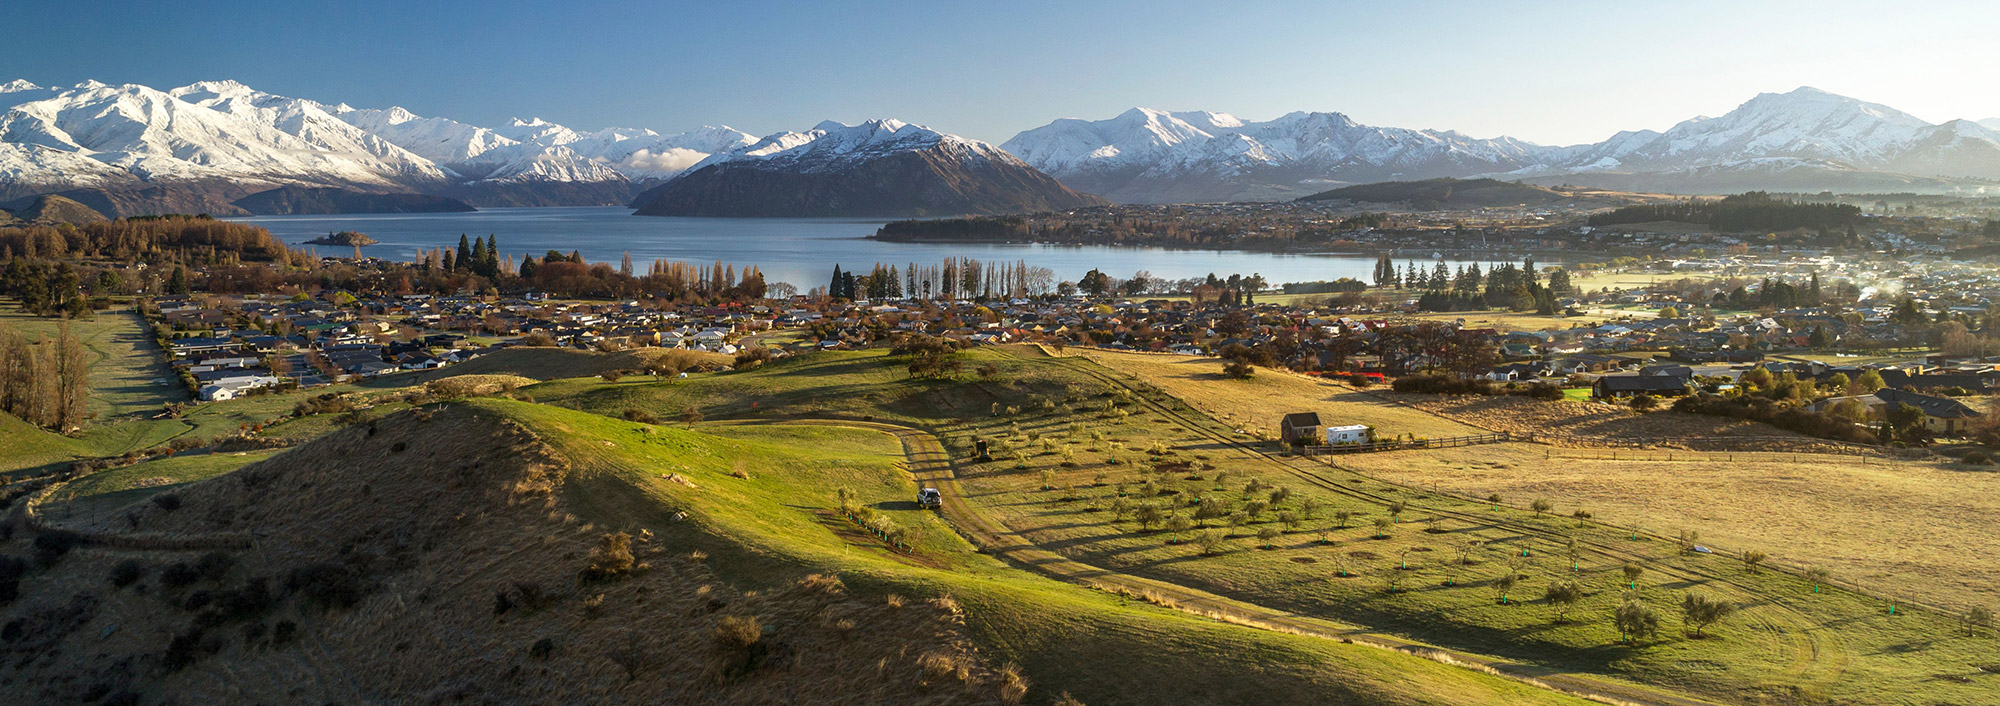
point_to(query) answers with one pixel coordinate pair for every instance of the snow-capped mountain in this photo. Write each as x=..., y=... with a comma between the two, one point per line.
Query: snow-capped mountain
x=155, y=136
x=1803, y=140
x=1145, y=155
x=203, y=145
x=1796, y=139
x=877, y=168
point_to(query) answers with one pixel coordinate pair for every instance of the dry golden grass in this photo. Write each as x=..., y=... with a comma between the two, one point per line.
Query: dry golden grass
x=474, y=385
x=1629, y=280
x=1270, y=394
x=1892, y=527
x=459, y=530
x=1598, y=425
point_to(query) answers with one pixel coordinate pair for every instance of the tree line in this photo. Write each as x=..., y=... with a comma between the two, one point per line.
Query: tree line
x=44, y=382
x=1509, y=286
x=1745, y=212
x=148, y=239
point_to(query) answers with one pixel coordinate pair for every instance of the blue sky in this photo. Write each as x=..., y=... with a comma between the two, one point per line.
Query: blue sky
x=1553, y=72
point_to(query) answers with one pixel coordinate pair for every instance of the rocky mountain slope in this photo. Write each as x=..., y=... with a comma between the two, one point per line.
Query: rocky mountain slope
x=877, y=168
x=295, y=200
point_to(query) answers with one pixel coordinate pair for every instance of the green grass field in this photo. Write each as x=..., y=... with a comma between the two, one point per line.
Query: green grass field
x=779, y=523
x=1787, y=640
x=117, y=487
x=126, y=375
x=1070, y=436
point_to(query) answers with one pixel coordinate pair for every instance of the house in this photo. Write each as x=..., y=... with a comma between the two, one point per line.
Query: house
x=1299, y=428
x=1585, y=363
x=233, y=387
x=1622, y=386
x=1943, y=415
x=1512, y=372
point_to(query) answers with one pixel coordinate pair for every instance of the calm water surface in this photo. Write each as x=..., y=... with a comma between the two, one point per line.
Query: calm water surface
x=797, y=250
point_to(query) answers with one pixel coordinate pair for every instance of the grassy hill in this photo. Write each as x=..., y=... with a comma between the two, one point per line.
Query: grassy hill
x=1071, y=438
x=444, y=555
x=440, y=512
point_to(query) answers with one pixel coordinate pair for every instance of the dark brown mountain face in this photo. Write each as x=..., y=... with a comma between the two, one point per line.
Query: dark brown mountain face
x=52, y=209
x=293, y=200
x=927, y=182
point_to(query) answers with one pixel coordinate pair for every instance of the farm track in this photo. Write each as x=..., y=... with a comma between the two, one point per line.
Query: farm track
x=1807, y=655
x=930, y=465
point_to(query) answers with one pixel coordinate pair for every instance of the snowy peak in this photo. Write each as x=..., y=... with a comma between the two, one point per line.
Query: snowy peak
x=832, y=145
x=1148, y=155
x=18, y=85
x=1805, y=129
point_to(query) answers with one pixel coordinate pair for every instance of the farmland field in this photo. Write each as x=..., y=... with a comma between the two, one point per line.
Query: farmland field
x=1258, y=402
x=1892, y=527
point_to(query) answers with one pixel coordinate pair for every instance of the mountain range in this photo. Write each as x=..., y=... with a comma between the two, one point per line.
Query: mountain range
x=210, y=146
x=877, y=168
x=1804, y=140
x=135, y=149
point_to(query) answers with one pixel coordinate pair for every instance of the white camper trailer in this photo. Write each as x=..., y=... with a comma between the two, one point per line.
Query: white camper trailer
x=1350, y=434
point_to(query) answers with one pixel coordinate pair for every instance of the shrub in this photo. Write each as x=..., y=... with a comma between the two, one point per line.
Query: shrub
x=213, y=565
x=1013, y=686
x=739, y=645
x=51, y=546
x=1762, y=409
x=328, y=403
x=178, y=574
x=641, y=416
x=1442, y=385
x=756, y=356
x=126, y=572
x=1541, y=506
x=538, y=340
x=612, y=558
x=1541, y=391
x=328, y=585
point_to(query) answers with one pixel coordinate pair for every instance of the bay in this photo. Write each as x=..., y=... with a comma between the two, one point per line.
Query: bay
x=801, y=251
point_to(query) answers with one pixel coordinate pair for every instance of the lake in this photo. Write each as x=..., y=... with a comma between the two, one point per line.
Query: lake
x=801, y=251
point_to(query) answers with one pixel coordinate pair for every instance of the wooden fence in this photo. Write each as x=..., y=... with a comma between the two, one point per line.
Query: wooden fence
x=1397, y=445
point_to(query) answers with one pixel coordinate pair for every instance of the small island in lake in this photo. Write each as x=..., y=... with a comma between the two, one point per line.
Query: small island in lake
x=345, y=238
